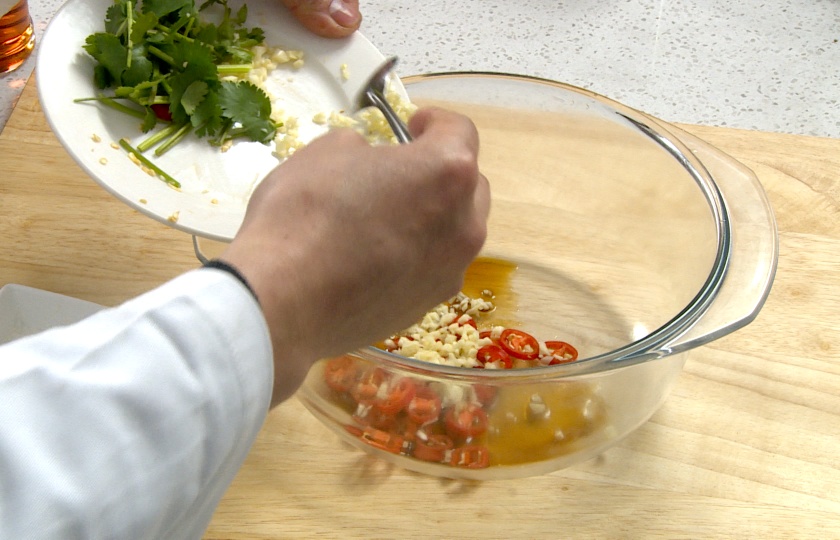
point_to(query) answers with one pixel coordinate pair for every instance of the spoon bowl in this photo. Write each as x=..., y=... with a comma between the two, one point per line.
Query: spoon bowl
x=373, y=95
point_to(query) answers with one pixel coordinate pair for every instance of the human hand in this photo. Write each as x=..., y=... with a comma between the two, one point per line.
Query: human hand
x=346, y=243
x=327, y=18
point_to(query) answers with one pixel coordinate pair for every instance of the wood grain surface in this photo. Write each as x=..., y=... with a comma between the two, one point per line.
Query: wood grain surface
x=745, y=447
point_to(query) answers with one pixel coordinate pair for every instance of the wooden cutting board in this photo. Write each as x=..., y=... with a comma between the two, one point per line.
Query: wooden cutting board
x=746, y=446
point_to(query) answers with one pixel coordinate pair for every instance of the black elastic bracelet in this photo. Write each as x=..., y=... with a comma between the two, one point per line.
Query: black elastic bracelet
x=221, y=265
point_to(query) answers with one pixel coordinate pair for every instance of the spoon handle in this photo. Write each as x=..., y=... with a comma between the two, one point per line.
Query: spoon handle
x=397, y=125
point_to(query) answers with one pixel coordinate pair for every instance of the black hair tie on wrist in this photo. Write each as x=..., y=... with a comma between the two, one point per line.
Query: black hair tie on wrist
x=221, y=265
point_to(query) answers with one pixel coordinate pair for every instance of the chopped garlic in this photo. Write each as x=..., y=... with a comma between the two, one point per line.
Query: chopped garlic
x=443, y=335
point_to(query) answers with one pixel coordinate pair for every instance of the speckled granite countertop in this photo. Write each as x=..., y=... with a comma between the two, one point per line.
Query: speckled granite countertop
x=770, y=65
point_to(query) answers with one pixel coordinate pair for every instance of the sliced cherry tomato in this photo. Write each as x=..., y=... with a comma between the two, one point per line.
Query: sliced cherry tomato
x=465, y=422
x=433, y=448
x=519, y=344
x=494, y=353
x=161, y=110
x=424, y=407
x=485, y=334
x=367, y=387
x=470, y=457
x=562, y=352
x=400, y=394
x=384, y=440
x=340, y=373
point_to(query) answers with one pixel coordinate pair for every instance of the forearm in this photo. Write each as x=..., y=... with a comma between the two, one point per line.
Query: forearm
x=132, y=423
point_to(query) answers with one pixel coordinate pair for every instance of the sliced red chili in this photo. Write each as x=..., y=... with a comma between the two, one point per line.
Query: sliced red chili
x=486, y=334
x=367, y=387
x=485, y=394
x=465, y=422
x=355, y=431
x=470, y=457
x=162, y=111
x=561, y=352
x=371, y=416
x=469, y=322
x=384, y=440
x=519, y=344
x=340, y=373
x=400, y=394
x=424, y=407
x=396, y=340
x=432, y=448
x=494, y=353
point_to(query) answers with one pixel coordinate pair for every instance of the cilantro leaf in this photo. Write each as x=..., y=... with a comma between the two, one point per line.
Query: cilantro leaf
x=115, y=18
x=207, y=117
x=161, y=8
x=193, y=96
x=101, y=77
x=179, y=85
x=140, y=70
x=158, y=52
x=143, y=22
x=109, y=52
x=250, y=107
x=149, y=120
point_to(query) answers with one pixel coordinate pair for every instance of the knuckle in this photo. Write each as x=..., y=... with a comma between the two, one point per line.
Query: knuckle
x=459, y=166
x=475, y=236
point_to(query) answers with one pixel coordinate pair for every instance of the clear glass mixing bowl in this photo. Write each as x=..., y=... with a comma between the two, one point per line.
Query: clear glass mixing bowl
x=610, y=230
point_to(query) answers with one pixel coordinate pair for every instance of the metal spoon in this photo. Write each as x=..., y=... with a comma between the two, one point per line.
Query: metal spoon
x=373, y=95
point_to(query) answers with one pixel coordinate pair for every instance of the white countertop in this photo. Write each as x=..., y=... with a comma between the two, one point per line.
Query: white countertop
x=770, y=65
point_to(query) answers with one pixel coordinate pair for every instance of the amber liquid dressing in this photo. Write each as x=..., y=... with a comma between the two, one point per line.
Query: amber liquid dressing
x=491, y=279
x=17, y=38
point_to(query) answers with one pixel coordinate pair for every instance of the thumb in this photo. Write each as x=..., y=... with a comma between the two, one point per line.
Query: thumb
x=327, y=18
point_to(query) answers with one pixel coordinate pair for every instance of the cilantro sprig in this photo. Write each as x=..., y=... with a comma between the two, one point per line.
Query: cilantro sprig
x=164, y=63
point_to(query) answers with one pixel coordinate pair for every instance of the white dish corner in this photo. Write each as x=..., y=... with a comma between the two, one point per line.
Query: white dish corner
x=25, y=311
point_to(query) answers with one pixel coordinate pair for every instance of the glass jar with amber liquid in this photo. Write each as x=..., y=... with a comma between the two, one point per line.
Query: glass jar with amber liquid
x=17, y=38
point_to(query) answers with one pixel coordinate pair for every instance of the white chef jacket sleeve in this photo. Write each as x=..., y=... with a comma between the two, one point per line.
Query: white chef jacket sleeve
x=133, y=422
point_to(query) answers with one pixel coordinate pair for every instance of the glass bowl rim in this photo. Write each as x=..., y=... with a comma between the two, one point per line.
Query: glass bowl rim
x=651, y=346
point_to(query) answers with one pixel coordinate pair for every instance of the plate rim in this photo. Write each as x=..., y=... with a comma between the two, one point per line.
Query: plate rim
x=221, y=223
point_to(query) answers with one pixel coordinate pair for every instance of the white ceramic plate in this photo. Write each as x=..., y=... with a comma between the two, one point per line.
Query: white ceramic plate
x=25, y=311
x=215, y=185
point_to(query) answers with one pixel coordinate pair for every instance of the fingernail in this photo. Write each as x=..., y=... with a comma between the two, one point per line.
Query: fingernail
x=341, y=14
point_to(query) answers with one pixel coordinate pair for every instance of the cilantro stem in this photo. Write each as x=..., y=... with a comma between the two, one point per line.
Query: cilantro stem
x=142, y=159
x=174, y=34
x=129, y=19
x=234, y=69
x=114, y=105
x=155, y=138
x=162, y=55
x=174, y=139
